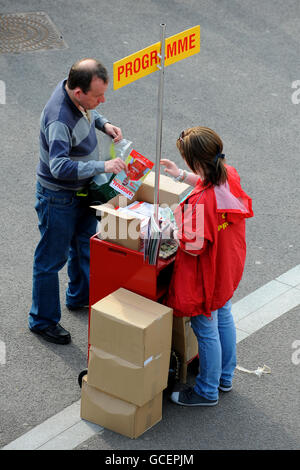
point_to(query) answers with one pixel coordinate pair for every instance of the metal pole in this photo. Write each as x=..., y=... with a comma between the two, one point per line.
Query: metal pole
x=159, y=121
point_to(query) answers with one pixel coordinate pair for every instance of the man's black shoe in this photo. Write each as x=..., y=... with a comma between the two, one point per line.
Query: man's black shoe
x=54, y=334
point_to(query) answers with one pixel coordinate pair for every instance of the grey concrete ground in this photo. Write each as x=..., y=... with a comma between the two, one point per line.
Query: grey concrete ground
x=240, y=84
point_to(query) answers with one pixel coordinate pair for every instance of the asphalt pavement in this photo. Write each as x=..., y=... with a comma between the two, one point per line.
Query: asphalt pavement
x=241, y=85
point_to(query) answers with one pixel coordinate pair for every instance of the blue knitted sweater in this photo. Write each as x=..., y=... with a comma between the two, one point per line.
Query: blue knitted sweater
x=69, y=153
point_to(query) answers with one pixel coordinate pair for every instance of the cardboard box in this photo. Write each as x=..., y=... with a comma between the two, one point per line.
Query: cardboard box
x=127, y=381
x=170, y=192
x=184, y=342
x=118, y=415
x=131, y=326
x=124, y=229
x=119, y=227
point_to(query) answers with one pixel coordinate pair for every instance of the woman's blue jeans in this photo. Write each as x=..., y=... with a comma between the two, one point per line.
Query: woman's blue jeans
x=66, y=225
x=217, y=350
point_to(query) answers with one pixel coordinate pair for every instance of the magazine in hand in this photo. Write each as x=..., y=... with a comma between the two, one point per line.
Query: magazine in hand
x=127, y=183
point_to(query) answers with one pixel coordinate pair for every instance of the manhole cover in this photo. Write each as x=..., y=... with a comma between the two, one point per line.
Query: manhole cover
x=20, y=32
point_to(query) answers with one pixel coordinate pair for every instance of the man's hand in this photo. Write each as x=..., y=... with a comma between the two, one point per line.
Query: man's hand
x=114, y=166
x=170, y=167
x=114, y=131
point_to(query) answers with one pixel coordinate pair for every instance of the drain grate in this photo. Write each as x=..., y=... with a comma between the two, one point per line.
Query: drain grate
x=21, y=32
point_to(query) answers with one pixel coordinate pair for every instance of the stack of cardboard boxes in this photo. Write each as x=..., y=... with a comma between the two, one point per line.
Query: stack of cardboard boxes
x=129, y=355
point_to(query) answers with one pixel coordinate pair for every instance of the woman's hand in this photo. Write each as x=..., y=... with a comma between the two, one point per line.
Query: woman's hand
x=170, y=167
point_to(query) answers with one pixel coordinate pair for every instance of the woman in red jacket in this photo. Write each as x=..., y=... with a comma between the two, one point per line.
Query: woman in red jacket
x=210, y=260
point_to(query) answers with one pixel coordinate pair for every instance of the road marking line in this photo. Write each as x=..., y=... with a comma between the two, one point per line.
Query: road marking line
x=269, y=312
x=267, y=303
x=258, y=299
x=64, y=427
x=74, y=436
x=66, y=430
x=291, y=277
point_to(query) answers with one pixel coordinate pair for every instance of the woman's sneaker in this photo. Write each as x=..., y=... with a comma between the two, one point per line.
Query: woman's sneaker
x=189, y=397
x=225, y=388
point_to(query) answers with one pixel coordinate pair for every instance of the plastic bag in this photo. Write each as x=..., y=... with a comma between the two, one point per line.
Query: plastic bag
x=99, y=189
x=111, y=149
x=259, y=371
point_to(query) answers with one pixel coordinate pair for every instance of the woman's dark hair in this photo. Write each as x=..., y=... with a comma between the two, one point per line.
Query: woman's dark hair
x=81, y=74
x=201, y=148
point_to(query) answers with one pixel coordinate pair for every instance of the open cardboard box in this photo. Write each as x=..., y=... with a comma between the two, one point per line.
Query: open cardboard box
x=124, y=229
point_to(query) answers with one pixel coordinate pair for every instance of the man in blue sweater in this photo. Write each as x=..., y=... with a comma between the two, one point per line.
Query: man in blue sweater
x=69, y=158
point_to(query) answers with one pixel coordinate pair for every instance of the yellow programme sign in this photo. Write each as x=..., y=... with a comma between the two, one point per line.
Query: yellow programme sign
x=146, y=61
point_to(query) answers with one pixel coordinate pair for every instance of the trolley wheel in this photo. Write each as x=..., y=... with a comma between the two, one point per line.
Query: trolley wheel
x=80, y=376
